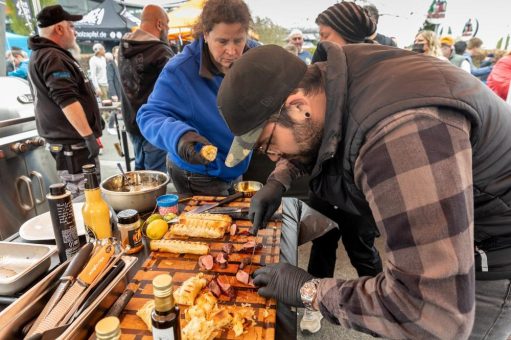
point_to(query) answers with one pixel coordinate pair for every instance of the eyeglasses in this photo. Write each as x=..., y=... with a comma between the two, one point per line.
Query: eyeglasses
x=297, y=38
x=265, y=150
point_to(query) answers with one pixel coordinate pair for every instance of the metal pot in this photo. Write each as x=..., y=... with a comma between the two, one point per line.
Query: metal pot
x=138, y=191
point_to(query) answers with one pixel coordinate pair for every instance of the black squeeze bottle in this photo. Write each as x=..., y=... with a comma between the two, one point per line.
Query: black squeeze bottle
x=165, y=316
x=63, y=221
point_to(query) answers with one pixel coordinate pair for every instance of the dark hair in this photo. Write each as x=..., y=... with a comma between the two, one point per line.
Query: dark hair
x=222, y=11
x=312, y=81
x=460, y=47
x=373, y=12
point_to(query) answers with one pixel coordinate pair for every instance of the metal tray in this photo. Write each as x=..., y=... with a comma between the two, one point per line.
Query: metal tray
x=20, y=312
x=21, y=263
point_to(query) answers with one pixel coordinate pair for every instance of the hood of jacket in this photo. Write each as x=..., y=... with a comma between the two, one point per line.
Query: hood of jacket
x=138, y=41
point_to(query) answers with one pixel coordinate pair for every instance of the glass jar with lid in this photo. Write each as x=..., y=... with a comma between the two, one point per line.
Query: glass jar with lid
x=128, y=223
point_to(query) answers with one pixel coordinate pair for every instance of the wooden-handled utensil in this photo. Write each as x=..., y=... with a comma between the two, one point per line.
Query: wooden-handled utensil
x=93, y=269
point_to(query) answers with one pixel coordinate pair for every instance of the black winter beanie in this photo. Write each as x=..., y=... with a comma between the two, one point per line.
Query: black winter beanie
x=351, y=21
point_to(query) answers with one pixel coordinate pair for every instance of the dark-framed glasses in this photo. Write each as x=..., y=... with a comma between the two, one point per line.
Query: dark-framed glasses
x=265, y=149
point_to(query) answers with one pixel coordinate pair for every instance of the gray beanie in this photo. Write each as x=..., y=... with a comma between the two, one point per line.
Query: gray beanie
x=351, y=21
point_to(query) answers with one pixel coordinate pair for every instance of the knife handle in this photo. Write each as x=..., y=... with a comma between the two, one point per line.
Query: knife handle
x=96, y=264
x=77, y=262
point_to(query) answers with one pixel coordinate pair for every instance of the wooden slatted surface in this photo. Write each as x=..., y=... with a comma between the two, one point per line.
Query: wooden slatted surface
x=181, y=267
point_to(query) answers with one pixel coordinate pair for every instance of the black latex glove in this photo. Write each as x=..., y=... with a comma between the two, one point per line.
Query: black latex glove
x=186, y=148
x=281, y=281
x=92, y=145
x=264, y=204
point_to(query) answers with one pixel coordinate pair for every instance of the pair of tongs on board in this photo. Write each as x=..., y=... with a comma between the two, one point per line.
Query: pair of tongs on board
x=100, y=263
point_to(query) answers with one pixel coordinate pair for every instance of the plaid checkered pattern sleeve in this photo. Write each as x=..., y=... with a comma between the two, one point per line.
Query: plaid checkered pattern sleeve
x=415, y=170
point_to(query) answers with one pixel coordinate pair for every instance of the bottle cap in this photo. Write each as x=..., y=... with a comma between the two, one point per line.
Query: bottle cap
x=127, y=216
x=162, y=285
x=57, y=189
x=108, y=328
x=89, y=168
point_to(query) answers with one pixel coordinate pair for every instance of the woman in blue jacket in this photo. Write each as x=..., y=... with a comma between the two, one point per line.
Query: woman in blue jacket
x=181, y=114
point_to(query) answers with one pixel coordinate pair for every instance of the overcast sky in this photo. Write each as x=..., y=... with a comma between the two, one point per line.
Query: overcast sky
x=401, y=18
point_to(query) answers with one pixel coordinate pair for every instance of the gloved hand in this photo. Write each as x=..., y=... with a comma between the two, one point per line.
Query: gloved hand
x=92, y=145
x=264, y=204
x=281, y=281
x=186, y=148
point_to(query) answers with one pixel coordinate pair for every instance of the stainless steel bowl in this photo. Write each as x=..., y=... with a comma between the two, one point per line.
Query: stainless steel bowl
x=140, y=191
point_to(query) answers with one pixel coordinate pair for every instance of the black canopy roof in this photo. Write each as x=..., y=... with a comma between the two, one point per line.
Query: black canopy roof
x=107, y=22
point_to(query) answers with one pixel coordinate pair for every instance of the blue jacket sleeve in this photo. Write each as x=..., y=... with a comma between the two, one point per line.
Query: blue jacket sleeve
x=21, y=72
x=481, y=71
x=162, y=120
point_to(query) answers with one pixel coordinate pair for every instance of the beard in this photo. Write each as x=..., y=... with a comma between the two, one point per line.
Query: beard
x=75, y=51
x=308, y=136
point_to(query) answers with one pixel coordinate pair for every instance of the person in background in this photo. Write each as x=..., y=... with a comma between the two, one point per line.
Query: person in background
x=20, y=64
x=447, y=47
x=429, y=163
x=473, y=48
x=381, y=39
x=295, y=37
x=66, y=110
x=142, y=56
x=9, y=62
x=500, y=77
x=97, y=67
x=426, y=42
x=181, y=114
x=114, y=85
x=460, y=47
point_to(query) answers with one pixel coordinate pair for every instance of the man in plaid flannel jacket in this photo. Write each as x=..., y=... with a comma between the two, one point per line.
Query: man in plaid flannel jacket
x=409, y=140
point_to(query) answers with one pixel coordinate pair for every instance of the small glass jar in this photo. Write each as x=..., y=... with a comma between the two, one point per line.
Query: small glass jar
x=128, y=223
x=167, y=204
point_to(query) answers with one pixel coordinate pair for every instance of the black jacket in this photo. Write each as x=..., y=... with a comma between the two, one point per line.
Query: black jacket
x=57, y=80
x=368, y=83
x=141, y=59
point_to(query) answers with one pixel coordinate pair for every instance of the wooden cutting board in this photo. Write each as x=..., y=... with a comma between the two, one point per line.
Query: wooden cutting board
x=183, y=266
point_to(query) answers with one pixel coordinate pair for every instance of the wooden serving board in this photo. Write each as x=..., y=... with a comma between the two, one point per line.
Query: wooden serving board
x=183, y=266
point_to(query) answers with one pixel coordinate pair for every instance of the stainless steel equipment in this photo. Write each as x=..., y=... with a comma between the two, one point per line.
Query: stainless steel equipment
x=26, y=168
x=141, y=192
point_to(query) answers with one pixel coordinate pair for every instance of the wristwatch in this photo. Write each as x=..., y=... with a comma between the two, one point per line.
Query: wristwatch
x=308, y=292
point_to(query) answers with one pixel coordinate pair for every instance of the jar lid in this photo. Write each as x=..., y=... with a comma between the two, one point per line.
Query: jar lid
x=89, y=168
x=58, y=189
x=127, y=216
x=167, y=200
x=162, y=285
x=108, y=328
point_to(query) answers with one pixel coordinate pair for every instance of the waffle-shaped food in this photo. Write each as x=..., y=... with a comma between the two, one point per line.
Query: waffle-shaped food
x=209, y=152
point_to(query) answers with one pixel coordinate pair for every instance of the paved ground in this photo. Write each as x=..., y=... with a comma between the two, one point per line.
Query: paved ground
x=343, y=269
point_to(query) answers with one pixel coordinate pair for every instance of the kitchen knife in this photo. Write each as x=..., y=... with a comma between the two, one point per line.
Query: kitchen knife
x=206, y=207
x=120, y=303
x=96, y=291
x=94, y=267
x=73, y=269
x=238, y=213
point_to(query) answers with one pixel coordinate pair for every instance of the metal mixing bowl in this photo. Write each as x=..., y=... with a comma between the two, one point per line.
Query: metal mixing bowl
x=138, y=190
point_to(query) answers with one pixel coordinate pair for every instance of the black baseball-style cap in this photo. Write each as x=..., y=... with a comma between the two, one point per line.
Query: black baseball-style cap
x=255, y=88
x=52, y=15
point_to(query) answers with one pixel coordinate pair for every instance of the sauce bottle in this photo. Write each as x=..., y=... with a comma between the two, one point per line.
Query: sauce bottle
x=165, y=316
x=63, y=221
x=96, y=214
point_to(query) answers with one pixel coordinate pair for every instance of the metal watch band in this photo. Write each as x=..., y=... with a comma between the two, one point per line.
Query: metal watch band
x=308, y=292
